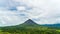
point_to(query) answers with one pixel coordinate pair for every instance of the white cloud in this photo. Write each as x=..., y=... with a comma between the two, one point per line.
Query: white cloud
x=19, y=8
x=11, y=18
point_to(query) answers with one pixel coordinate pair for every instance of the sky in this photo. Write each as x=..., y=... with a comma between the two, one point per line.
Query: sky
x=13, y=12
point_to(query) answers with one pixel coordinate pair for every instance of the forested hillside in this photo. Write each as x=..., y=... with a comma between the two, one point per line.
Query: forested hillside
x=29, y=27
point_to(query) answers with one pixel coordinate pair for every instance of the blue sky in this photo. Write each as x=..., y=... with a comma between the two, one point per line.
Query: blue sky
x=13, y=12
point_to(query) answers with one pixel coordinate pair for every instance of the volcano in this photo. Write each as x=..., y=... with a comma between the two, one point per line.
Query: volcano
x=29, y=27
x=29, y=22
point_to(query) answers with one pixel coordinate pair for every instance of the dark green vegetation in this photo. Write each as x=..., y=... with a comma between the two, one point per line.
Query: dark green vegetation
x=29, y=27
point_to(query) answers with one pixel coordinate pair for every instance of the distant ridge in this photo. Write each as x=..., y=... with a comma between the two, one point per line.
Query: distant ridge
x=52, y=25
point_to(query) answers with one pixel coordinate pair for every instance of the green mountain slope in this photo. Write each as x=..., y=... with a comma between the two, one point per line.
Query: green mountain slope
x=28, y=27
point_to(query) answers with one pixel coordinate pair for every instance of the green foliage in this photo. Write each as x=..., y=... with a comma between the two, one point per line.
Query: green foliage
x=29, y=30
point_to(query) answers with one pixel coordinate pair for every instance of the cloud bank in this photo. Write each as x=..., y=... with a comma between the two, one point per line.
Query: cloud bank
x=14, y=12
x=44, y=11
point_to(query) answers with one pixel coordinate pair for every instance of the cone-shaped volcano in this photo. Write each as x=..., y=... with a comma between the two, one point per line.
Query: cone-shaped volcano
x=29, y=22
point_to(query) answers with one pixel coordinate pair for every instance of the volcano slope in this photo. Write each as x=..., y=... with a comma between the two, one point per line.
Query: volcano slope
x=28, y=27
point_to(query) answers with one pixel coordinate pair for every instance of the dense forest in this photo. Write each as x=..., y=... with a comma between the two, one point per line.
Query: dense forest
x=28, y=30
